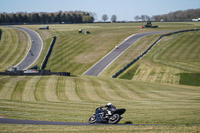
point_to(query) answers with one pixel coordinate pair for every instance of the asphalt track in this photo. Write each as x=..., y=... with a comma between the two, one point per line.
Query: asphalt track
x=34, y=51
x=103, y=63
x=36, y=122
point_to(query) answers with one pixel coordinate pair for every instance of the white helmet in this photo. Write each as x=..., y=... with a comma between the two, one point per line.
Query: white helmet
x=109, y=104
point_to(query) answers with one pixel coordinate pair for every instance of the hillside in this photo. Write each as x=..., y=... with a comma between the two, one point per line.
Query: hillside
x=171, y=56
x=14, y=45
x=75, y=52
x=74, y=99
x=152, y=95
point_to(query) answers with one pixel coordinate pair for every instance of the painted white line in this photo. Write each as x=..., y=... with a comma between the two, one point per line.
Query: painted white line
x=30, y=47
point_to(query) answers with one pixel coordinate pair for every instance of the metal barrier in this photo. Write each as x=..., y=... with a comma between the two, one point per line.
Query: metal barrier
x=0, y=33
x=44, y=62
x=37, y=73
x=145, y=52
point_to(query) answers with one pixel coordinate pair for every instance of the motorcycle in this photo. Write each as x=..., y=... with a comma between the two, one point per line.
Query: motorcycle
x=106, y=116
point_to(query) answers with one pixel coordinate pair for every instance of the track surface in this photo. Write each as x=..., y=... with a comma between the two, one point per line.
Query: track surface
x=34, y=51
x=35, y=122
x=97, y=68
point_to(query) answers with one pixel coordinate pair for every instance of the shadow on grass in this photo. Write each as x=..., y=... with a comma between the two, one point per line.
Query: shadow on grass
x=128, y=122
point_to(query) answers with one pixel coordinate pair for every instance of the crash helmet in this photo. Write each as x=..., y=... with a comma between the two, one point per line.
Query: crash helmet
x=109, y=104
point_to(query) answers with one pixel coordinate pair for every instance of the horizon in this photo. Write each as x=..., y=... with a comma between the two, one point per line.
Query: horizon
x=125, y=10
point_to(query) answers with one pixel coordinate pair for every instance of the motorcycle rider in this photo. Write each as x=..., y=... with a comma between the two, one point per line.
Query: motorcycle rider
x=110, y=107
x=108, y=111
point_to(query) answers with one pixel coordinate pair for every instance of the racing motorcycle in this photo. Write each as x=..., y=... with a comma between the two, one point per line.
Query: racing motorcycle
x=106, y=116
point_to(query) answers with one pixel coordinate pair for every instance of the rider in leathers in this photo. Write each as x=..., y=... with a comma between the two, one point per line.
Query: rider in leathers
x=109, y=109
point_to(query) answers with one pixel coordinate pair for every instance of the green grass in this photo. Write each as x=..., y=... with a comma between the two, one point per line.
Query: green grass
x=130, y=73
x=98, y=129
x=190, y=79
x=55, y=98
x=76, y=53
x=74, y=99
x=172, y=55
x=13, y=47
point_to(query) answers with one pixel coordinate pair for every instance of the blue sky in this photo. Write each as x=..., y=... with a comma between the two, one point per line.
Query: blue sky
x=123, y=9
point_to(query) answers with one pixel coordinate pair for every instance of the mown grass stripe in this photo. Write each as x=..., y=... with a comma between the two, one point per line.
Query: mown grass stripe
x=90, y=90
x=13, y=48
x=18, y=90
x=7, y=39
x=50, y=89
x=118, y=90
x=70, y=90
x=81, y=90
x=8, y=88
x=60, y=89
x=112, y=95
x=40, y=89
x=99, y=89
x=28, y=93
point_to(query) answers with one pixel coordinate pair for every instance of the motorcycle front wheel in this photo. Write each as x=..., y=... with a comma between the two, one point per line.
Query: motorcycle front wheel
x=114, y=119
x=92, y=119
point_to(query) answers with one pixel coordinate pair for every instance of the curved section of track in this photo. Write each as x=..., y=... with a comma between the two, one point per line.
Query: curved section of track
x=103, y=63
x=34, y=51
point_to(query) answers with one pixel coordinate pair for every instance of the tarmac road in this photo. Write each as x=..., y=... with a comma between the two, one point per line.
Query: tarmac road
x=36, y=122
x=102, y=64
x=34, y=51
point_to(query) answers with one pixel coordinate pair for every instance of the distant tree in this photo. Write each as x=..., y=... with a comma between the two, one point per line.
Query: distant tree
x=145, y=17
x=94, y=15
x=105, y=17
x=137, y=18
x=44, y=17
x=181, y=15
x=113, y=18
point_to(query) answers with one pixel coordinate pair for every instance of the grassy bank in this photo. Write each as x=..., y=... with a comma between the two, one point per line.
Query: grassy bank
x=98, y=129
x=14, y=45
x=75, y=99
x=172, y=55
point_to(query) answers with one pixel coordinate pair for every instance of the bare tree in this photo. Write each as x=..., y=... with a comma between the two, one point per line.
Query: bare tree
x=137, y=18
x=105, y=17
x=113, y=18
x=145, y=17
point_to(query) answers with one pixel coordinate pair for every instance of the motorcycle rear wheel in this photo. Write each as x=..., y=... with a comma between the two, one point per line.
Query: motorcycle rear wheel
x=92, y=119
x=114, y=119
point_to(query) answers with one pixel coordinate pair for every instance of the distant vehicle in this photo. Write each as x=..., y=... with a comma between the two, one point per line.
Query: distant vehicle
x=149, y=25
x=44, y=28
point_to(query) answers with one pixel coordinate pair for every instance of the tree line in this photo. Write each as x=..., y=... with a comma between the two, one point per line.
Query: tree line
x=181, y=15
x=44, y=17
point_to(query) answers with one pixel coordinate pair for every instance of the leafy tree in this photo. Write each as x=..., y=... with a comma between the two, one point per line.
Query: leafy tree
x=104, y=17
x=44, y=17
x=113, y=18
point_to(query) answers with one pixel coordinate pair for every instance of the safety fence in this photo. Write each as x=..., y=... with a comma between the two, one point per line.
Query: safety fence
x=44, y=62
x=34, y=73
x=145, y=52
x=0, y=33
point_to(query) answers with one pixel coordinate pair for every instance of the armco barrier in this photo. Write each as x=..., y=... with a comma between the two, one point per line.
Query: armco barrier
x=38, y=73
x=146, y=51
x=0, y=33
x=44, y=62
